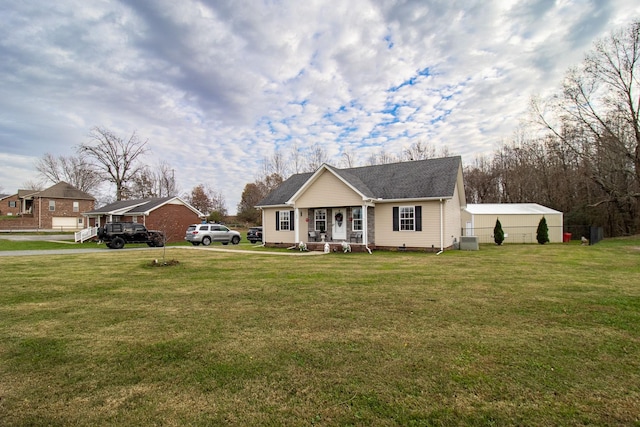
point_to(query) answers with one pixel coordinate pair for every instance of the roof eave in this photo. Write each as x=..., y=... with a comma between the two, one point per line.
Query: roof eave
x=413, y=199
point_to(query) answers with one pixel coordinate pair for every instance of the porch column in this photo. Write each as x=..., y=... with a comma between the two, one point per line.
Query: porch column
x=296, y=225
x=365, y=226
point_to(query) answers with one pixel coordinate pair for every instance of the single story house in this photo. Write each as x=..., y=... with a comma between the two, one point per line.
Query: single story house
x=58, y=207
x=412, y=205
x=172, y=215
x=519, y=221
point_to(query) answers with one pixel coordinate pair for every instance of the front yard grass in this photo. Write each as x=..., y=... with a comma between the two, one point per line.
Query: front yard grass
x=510, y=335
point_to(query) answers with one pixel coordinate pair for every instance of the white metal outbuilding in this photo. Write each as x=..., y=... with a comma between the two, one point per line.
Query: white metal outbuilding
x=519, y=221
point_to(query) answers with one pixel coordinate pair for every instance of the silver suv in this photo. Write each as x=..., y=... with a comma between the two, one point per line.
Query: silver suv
x=208, y=233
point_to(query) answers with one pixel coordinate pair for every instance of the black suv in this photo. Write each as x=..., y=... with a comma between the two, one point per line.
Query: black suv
x=116, y=234
x=254, y=234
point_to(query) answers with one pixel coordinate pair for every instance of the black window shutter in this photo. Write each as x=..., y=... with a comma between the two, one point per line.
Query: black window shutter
x=418, y=218
x=396, y=218
x=292, y=221
x=277, y=220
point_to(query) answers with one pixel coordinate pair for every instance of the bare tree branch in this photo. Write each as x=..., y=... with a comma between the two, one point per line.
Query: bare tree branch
x=116, y=158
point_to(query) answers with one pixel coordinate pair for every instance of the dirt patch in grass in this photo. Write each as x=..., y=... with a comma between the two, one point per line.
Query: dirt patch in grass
x=160, y=263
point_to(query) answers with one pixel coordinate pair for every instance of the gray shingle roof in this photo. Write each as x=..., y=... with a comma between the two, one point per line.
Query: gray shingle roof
x=286, y=190
x=150, y=205
x=61, y=190
x=137, y=206
x=431, y=178
x=119, y=206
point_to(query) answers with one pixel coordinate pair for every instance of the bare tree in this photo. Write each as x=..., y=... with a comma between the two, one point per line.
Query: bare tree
x=37, y=185
x=419, y=151
x=158, y=181
x=115, y=157
x=165, y=180
x=481, y=181
x=75, y=170
x=597, y=117
x=382, y=158
x=317, y=156
x=295, y=158
x=276, y=164
x=348, y=159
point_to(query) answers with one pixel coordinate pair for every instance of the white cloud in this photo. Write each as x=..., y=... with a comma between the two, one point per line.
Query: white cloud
x=216, y=86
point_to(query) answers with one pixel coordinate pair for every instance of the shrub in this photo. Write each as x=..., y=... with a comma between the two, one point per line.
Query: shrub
x=498, y=234
x=542, y=235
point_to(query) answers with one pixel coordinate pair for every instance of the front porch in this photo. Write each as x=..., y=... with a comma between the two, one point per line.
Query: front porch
x=319, y=246
x=351, y=224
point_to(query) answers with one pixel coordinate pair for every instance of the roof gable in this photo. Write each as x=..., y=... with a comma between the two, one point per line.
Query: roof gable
x=420, y=179
x=61, y=190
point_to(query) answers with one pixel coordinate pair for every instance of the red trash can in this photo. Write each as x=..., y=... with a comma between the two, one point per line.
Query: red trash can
x=566, y=237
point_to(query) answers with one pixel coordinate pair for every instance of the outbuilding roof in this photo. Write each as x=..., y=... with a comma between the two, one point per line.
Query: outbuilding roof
x=509, y=209
x=419, y=179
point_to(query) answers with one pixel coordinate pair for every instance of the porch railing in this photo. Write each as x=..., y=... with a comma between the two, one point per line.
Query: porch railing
x=85, y=234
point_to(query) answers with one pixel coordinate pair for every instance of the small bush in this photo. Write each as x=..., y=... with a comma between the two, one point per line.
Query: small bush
x=542, y=235
x=498, y=234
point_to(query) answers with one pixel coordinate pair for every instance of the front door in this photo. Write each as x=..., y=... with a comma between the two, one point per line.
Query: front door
x=339, y=226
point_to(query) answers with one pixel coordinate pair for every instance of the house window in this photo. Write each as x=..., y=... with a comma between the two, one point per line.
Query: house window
x=52, y=205
x=76, y=206
x=320, y=219
x=284, y=220
x=134, y=219
x=356, y=221
x=80, y=221
x=13, y=204
x=407, y=218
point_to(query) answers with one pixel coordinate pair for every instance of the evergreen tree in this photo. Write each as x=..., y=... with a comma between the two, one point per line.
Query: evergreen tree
x=498, y=234
x=542, y=235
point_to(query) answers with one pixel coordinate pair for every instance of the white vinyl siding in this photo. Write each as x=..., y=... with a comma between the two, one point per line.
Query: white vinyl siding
x=328, y=191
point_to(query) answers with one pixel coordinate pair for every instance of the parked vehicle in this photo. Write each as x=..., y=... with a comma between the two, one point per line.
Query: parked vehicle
x=254, y=234
x=116, y=234
x=209, y=233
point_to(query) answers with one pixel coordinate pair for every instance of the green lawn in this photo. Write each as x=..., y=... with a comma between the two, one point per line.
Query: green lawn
x=512, y=335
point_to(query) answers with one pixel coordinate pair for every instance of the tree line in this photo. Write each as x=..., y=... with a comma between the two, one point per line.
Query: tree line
x=577, y=152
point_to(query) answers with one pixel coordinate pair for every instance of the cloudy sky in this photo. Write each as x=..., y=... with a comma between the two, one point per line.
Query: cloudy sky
x=216, y=86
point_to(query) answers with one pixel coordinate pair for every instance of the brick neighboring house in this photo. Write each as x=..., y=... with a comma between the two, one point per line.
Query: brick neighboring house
x=172, y=215
x=58, y=207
